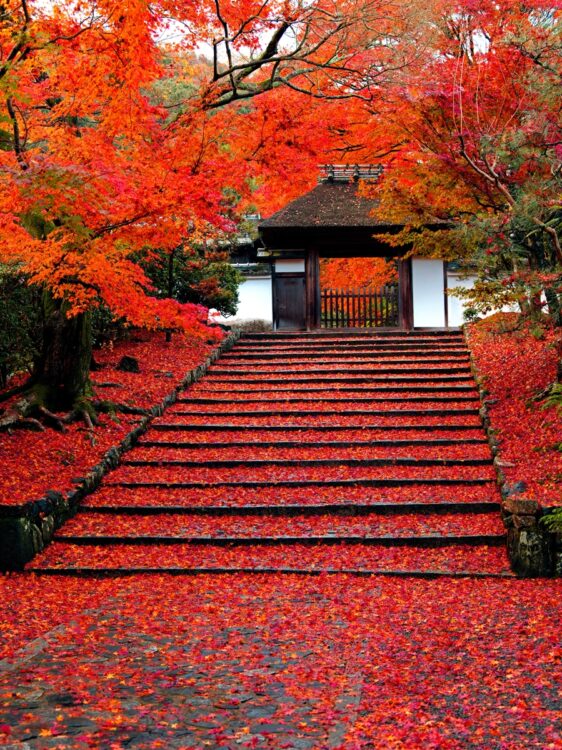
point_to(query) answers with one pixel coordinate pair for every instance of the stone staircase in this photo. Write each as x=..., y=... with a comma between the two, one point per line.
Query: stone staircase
x=305, y=453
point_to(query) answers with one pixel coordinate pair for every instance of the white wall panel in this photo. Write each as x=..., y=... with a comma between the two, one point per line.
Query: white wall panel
x=456, y=305
x=289, y=265
x=428, y=293
x=255, y=302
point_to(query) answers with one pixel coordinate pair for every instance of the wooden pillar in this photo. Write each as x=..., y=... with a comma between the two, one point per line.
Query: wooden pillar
x=312, y=289
x=406, y=302
x=445, y=295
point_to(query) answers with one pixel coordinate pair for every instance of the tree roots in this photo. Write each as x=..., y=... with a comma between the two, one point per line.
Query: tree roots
x=30, y=413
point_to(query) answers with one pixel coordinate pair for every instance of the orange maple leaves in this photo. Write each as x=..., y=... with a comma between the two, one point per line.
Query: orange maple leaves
x=368, y=273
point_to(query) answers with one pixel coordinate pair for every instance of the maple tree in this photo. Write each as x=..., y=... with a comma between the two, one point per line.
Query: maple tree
x=368, y=273
x=115, y=141
x=477, y=175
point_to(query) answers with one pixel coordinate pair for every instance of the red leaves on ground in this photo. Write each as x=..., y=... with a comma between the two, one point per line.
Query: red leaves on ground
x=265, y=661
x=33, y=463
x=257, y=436
x=298, y=406
x=369, y=397
x=515, y=368
x=318, y=452
x=179, y=525
x=234, y=496
x=268, y=473
x=330, y=419
x=328, y=388
x=480, y=559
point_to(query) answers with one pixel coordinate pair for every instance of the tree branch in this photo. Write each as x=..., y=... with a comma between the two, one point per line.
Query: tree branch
x=118, y=225
x=18, y=148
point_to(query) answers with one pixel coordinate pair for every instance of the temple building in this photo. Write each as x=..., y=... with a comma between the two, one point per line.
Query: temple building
x=333, y=220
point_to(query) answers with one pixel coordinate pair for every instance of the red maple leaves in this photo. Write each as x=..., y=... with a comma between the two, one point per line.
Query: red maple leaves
x=515, y=368
x=53, y=460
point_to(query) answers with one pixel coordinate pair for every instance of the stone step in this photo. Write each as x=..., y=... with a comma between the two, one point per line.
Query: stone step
x=237, y=355
x=301, y=455
x=128, y=571
x=378, y=355
x=349, y=379
x=466, y=528
x=460, y=558
x=305, y=463
x=234, y=373
x=206, y=388
x=289, y=510
x=229, y=427
x=294, y=483
x=428, y=541
x=259, y=414
x=455, y=398
x=305, y=362
x=276, y=497
x=327, y=344
x=305, y=444
x=354, y=334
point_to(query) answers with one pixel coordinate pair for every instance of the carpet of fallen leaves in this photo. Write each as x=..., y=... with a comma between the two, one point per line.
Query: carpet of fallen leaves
x=297, y=407
x=330, y=389
x=180, y=525
x=452, y=558
x=280, y=662
x=233, y=496
x=54, y=459
x=340, y=363
x=270, y=473
x=516, y=366
x=367, y=434
x=335, y=368
x=329, y=419
x=253, y=453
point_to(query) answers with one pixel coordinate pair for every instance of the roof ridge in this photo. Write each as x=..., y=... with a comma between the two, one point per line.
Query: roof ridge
x=349, y=172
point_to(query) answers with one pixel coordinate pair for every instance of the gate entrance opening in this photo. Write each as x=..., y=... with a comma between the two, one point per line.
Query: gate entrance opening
x=370, y=301
x=360, y=308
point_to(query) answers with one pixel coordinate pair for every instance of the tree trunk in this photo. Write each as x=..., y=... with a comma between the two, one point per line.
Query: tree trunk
x=62, y=373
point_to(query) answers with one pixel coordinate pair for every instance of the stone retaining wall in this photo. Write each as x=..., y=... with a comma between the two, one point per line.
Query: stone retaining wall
x=25, y=529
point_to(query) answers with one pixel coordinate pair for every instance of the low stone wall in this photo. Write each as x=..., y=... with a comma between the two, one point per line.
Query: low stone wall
x=26, y=529
x=532, y=550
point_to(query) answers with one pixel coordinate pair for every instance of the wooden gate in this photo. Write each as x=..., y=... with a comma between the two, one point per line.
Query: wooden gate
x=289, y=301
x=360, y=308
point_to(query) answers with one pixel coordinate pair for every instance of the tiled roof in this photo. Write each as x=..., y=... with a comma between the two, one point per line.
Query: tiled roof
x=329, y=204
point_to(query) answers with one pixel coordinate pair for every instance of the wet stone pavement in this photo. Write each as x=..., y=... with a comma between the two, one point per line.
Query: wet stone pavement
x=287, y=662
x=150, y=688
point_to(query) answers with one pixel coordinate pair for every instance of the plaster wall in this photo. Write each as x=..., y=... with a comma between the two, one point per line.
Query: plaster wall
x=456, y=305
x=428, y=293
x=255, y=301
x=288, y=265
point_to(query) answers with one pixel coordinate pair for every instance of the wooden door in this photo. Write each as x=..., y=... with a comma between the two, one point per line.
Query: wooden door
x=289, y=301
